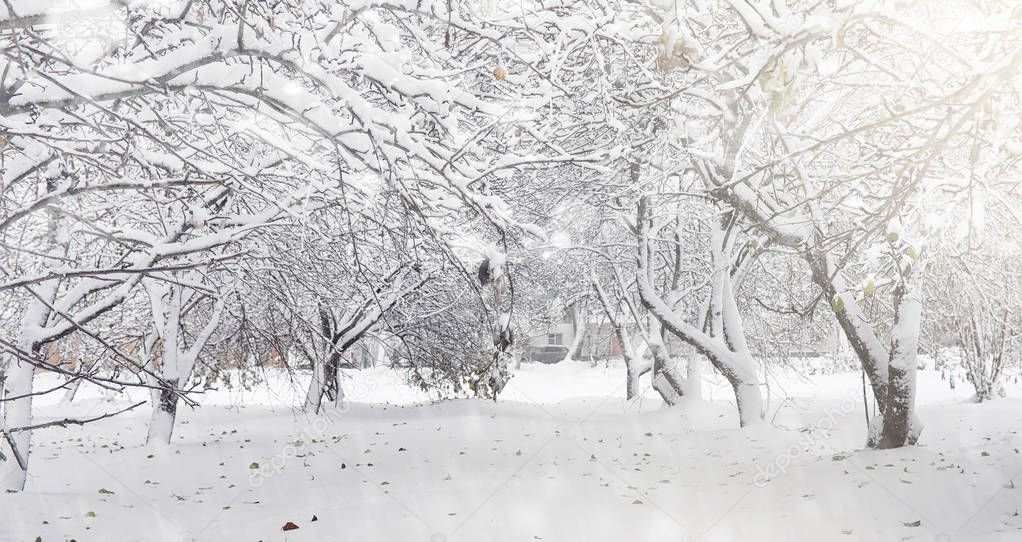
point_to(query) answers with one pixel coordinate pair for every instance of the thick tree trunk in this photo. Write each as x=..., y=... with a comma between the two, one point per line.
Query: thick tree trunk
x=634, y=366
x=16, y=392
x=750, y=403
x=901, y=384
x=892, y=373
x=632, y=374
x=324, y=384
x=742, y=370
x=161, y=423
x=324, y=371
x=15, y=447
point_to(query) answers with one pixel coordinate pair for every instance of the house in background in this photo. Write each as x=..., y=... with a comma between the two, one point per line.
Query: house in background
x=598, y=340
x=589, y=335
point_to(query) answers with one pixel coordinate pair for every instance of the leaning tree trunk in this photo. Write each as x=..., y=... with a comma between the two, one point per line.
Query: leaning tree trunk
x=667, y=380
x=635, y=365
x=340, y=333
x=664, y=383
x=71, y=391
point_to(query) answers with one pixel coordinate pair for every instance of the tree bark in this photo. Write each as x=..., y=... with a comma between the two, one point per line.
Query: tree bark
x=901, y=384
x=17, y=382
x=331, y=385
x=891, y=371
x=314, y=395
x=161, y=423
x=667, y=380
x=579, y=330
x=634, y=366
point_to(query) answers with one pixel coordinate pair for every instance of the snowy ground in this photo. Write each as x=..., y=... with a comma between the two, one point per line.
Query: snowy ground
x=561, y=457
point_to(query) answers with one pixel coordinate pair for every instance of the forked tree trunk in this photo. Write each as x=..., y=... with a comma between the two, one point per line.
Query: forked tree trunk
x=341, y=333
x=878, y=363
x=742, y=371
x=324, y=383
x=178, y=359
x=725, y=345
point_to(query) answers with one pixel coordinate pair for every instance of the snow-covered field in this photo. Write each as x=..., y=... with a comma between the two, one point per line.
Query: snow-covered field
x=562, y=456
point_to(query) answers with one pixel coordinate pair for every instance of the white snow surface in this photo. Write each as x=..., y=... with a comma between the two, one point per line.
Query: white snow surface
x=561, y=456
